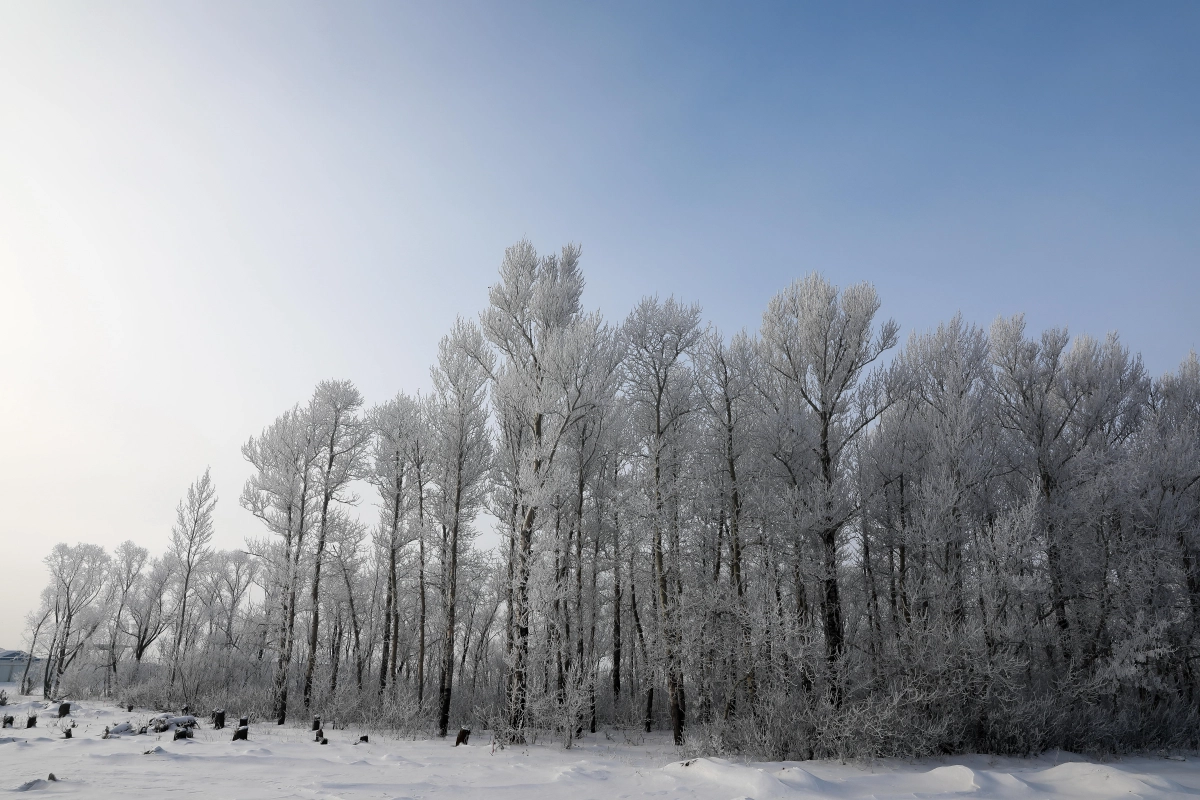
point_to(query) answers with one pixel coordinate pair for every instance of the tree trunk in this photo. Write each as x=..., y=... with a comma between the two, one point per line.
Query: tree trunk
x=446, y=679
x=616, y=630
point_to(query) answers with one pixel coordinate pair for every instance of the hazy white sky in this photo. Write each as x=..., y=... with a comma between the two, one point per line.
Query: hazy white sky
x=207, y=208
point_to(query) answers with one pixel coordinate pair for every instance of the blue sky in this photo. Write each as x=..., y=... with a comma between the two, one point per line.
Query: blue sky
x=207, y=208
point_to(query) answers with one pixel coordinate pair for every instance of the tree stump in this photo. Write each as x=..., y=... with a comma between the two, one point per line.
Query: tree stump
x=67, y=733
x=63, y=709
x=363, y=739
x=242, y=734
x=182, y=733
x=316, y=723
x=244, y=722
x=218, y=718
x=463, y=735
x=8, y=721
x=32, y=721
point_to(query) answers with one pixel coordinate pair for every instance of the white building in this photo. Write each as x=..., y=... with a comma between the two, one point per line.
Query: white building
x=12, y=665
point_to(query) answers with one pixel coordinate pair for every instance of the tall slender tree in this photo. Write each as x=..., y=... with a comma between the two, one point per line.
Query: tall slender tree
x=190, y=551
x=280, y=493
x=660, y=337
x=820, y=340
x=342, y=441
x=460, y=461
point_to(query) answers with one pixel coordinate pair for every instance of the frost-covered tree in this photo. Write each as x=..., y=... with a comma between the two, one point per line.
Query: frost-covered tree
x=818, y=341
x=148, y=614
x=128, y=565
x=459, y=461
x=1063, y=408
x=342, y=438
x=989, y=542
x=659, y=338
x=189, y=552
x=1170, y=450
x=535, y=324
x=77, y=578
x=281, y=493
x=396, y=471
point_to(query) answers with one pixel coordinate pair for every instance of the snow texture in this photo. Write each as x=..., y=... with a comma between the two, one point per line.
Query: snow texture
x=284, y=762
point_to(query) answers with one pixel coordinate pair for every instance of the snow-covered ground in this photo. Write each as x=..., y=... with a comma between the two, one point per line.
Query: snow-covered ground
x=285, y=763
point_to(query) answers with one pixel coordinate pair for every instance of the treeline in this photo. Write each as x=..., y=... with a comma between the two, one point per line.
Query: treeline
x=786, y=544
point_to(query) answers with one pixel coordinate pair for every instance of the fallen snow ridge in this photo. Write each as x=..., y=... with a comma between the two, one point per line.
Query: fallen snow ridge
x=285, y=762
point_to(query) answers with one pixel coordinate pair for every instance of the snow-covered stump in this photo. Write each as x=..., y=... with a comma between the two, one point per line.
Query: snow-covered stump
x=218, y=718
x=8, y=721
x=63, y=709
x=316, y=723
x=463, y=735
x=31, y=721
x=242, y=734
x=182, y=733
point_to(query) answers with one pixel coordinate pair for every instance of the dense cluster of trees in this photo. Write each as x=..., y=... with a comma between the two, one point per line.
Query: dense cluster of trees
x=790, y=544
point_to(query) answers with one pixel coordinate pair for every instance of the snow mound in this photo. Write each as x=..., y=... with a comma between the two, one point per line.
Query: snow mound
x=955, y=778
x=752, y=781
x=802, y=779
x=395, y=758
x=1101, y=780
x=583, y=771
x=961, y=779
x=1000, y=784
x=37, y=784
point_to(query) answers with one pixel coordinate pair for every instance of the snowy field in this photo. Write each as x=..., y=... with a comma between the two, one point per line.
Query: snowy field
x=285, y=763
